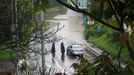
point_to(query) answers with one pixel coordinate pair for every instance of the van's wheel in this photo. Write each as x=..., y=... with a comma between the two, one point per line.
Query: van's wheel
x=68, y=53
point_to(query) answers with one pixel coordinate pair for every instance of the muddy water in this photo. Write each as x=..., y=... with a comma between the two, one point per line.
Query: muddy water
x=71, y=33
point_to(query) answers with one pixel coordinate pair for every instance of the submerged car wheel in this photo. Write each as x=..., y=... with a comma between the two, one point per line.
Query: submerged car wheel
x=68, y=52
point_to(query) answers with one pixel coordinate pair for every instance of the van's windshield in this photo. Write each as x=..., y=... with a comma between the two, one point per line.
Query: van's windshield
x=77, y=46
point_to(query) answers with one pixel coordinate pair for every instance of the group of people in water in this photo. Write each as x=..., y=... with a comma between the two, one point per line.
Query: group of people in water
x=62, y=48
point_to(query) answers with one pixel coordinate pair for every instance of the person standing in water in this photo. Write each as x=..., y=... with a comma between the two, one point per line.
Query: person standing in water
x=53, y=49
x=62, y=48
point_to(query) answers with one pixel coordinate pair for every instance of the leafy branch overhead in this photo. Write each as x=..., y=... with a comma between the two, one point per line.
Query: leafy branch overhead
x=87, y=13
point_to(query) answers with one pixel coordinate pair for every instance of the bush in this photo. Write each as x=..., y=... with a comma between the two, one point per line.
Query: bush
x=89, y=32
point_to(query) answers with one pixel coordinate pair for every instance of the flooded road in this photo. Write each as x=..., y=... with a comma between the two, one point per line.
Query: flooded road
x=71, y=33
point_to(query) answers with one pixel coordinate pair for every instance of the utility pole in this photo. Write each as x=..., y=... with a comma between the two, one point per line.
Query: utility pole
x=40, y=19
x=41, y=16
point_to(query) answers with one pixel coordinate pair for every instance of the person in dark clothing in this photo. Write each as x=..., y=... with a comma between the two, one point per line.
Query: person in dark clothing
x=62, y=48
x=62, y=57
x=53, y=49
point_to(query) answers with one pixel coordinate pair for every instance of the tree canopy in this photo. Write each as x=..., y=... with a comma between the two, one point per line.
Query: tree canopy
x=5, y=20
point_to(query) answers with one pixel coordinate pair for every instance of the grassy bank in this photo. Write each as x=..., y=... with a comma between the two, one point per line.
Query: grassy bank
x=6, y=55
x=106, y=39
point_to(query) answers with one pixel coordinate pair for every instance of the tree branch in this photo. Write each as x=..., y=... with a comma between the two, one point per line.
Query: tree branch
x=114, y=11
x=87, y=13
x=74, y=4
x=30, y=40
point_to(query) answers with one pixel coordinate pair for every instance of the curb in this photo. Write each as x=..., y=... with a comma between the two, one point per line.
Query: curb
x=93, y=50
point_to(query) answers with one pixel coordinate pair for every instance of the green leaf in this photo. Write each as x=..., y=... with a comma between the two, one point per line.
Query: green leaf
x=112, y=22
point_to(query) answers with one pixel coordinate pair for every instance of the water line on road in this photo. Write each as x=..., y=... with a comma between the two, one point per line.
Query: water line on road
x=71, y=33
x=59, y=65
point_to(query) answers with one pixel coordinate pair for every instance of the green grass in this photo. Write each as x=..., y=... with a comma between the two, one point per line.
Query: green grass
x=5, y=55
x=105, y=43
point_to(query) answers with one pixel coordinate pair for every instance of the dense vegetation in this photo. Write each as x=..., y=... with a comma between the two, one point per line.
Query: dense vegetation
x=5, y=20
x=18, y=27
x=5, y=28
x=21, y=28
x=106, y=40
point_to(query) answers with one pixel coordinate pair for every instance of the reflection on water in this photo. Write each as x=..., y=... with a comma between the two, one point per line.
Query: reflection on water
x=63, y=58
x=53, y=57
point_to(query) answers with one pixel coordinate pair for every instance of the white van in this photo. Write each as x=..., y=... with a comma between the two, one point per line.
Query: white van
x=75, y=49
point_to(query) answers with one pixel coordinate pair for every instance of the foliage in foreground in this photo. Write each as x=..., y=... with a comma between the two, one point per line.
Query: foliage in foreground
x=103, y=65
